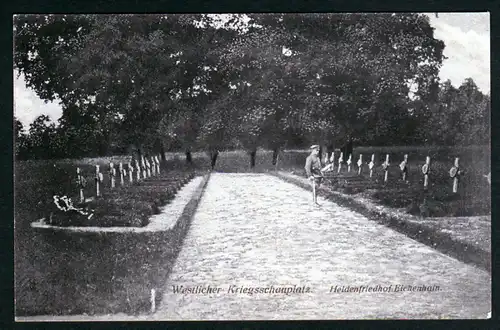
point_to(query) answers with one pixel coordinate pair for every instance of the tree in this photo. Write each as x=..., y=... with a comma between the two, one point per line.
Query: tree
x=40, y=138
x=460, y=116
x=181, y=81
x=40, y=44
x=20, y=140
x=346, y=81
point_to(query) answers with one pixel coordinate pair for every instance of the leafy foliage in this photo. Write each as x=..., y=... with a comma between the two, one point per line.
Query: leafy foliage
x=216, y=81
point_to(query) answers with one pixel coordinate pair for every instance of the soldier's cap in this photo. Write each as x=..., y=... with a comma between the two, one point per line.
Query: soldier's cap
x=315, y=146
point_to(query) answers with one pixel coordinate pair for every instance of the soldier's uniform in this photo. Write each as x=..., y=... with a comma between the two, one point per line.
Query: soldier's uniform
x=313, y=168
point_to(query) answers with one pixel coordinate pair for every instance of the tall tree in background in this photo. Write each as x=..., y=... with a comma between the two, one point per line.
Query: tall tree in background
x=193, y=81
x=351, y=71
x=461, y=116
x=20, y=140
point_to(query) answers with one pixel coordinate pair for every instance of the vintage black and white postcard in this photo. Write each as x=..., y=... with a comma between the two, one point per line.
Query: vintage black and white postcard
x=298, y=166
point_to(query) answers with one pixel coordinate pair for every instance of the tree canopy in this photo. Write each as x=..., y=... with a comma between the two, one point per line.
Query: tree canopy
x=195, y=81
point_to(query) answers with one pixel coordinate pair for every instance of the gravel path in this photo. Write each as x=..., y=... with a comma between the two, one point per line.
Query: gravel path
x=256, y=231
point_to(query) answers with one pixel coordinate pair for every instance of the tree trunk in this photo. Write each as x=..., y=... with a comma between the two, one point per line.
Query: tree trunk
x=139, y=153
x=329, y=149
x=162, y=151
x=347, y=149
x=189, y=158
x=275, y=155
x=323, y=151
x=102, y=148
x=213, y=158
x=253, y=153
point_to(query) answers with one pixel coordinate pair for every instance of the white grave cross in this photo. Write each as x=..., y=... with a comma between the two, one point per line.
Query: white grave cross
x=143, y=166
x=98, y=179
x=385, y=165
x=138, y=169
x=454, y=174
x=130, y=172
x=426, y=170
x=153, y=165
x=122, y=174
x=341, y=159
x=80, y=183
x=371, y=165
x=360, y=163
x=404, y=167
x=112, y=173
x=157, y=158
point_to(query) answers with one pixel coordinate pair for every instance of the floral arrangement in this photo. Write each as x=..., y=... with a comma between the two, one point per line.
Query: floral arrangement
x=65, y=209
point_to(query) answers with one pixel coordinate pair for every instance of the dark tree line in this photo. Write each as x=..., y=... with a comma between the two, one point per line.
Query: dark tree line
x=178, y=82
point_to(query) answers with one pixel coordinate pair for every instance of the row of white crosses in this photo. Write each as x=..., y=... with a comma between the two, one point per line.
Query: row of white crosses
x=143, y=169
x=454, y=171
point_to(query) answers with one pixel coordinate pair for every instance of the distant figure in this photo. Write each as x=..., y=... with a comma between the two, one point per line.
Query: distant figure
x=313, y=170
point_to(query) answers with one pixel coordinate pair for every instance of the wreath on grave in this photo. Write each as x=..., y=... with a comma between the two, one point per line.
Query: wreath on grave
x=425, y=169
x=454, y=171
x=66, y=213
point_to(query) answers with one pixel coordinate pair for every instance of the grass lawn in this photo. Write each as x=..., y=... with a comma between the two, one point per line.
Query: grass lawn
x=111, y=279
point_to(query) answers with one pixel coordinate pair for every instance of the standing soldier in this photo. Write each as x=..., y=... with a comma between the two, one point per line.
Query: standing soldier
x=314, y=170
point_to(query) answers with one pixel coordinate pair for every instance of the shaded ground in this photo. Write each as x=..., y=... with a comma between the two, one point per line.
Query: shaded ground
x=254, y=230
x=61, y=273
